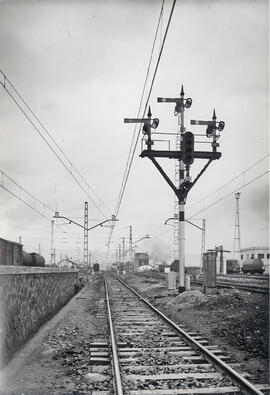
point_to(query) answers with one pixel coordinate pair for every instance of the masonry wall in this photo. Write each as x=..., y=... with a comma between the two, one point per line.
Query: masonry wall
x=29, y=298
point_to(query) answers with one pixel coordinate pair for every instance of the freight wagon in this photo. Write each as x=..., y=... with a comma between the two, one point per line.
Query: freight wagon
x=253, y=266
x=12, y=254
x=32, y=259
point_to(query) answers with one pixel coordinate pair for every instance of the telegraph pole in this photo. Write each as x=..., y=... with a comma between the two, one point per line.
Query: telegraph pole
x=185, y=156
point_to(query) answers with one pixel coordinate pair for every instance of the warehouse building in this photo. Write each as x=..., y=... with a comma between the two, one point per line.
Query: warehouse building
x=10, y=253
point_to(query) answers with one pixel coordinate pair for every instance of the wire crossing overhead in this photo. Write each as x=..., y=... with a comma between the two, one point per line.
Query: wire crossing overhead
x=238, y=182
x=134, y=142
x=133, y=150
x=26, y=197
x=52, y=144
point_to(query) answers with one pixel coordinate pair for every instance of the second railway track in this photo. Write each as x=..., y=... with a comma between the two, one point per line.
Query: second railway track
x=151, y=355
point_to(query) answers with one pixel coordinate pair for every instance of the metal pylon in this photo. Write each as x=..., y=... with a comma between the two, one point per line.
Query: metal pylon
x=85, y=237
x=52, y=243
x=236, y=241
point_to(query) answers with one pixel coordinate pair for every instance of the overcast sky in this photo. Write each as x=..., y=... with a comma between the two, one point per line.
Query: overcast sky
x=80, y=66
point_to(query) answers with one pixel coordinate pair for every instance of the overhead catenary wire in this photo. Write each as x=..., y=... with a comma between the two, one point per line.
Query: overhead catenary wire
x=210, y=205
x=131, y=152
x=231, y=180
x=19, y=197
x=229, y=194
x=72, y=167
x=131, y=157
x=145, y=108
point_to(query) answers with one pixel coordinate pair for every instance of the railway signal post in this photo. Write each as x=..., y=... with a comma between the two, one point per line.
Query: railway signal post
x=187, y=145
x=186, y=156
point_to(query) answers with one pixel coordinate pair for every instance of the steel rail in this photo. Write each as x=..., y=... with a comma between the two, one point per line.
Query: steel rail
x=244, y=287
x=116, y=368
x=245, y=276
x=245, y=386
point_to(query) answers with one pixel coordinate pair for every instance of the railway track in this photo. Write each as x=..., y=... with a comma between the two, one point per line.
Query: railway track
x=151, y=355
x=237, y=285
x=246, y=283
x=246, y=276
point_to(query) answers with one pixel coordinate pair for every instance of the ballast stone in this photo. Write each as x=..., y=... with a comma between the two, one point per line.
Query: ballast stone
x=95, y=377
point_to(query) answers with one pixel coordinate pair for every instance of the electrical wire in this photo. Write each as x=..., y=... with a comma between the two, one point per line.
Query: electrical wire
x=130, y=161
x=145, y=108
x=209, y=206
x=49, y=145
x=28, y=204
x=230, y=181
x=229, y=194
x=127, y=168
x=21, y=188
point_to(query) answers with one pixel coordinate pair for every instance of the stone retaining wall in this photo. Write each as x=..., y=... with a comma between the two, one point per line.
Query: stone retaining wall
x=29, y=298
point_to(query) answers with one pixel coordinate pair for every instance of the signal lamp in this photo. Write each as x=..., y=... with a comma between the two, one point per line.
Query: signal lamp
x=188, y=148
x=145, y=128
x=188, y=102
x=155, y=123
x=221, y=125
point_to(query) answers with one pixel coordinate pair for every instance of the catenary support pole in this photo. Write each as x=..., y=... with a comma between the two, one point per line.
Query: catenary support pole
x=85, y=238
x=52, y=242
x=202, y=245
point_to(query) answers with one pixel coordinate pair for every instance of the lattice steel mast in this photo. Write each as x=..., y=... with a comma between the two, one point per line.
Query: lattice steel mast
x=236, y=241
x=85, y=236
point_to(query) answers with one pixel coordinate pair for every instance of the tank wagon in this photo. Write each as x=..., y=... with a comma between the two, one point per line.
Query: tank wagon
x=32, y=259
x=253, y=266
x=96, y=267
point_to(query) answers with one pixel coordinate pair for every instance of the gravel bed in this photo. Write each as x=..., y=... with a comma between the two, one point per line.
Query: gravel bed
x=236, y=321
